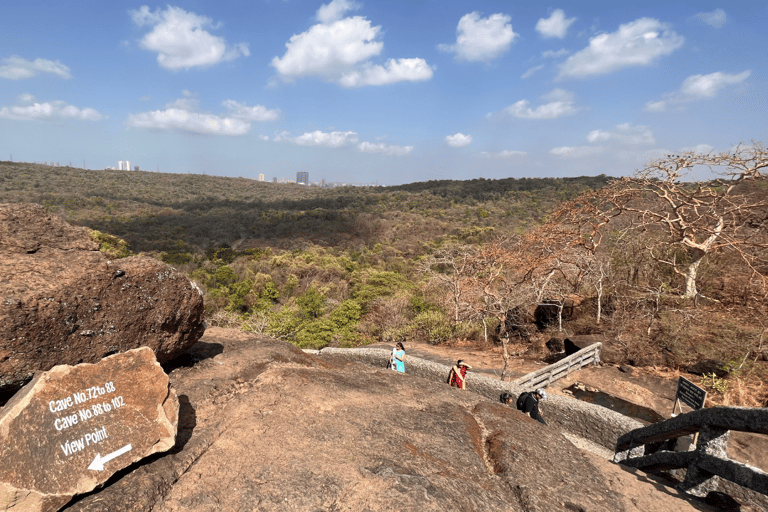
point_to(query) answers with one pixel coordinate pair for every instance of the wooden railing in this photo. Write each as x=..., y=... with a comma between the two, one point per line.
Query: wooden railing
x=708, y=459
x=549, y=374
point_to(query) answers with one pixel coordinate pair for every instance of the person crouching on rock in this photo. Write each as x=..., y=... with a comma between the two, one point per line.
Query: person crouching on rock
x=528, y=403
x=398, y=356
x=458, y=375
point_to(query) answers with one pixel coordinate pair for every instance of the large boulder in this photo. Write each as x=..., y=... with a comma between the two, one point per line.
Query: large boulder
x=64, y=302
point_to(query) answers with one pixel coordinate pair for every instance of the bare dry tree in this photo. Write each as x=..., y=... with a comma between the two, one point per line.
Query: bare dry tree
x=452, y=266
x=700, y=217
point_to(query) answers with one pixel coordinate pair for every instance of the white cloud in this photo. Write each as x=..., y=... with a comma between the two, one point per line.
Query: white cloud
x=503, y=154
x=697, y=87
x=625, y=134
x=598, y=136
x=458, y=140
x=554, y=26
x=576, y=151
x=702, y=149
x=181, y=116
x=656, y=106
x=183, y=121
x=335, y=10
x=531, y=71
x=562, y=52
x=318, y=138
x=395, y=71
x=16, y=68
x=707, y=86
x=369, y=147
x=255, y=113
x=341, y=51
x=29, y=109
x=181, y=41
x=559, y=103
x=638, y=43
x=481, y=39
x=716, y=18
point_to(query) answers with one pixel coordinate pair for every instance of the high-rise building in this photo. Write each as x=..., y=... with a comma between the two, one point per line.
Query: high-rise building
x=302, y=177
x=261, y=177
x=123, y=165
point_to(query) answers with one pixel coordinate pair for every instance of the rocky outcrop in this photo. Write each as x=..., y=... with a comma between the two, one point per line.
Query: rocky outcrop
x=264, y=426
x=73, y=427
x=63, y=302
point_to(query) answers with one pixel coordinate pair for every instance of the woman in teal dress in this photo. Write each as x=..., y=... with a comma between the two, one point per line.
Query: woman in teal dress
x=398, y=354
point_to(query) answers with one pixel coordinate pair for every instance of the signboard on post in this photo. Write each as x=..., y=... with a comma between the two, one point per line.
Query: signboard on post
x=690, y=394
x=73, y=427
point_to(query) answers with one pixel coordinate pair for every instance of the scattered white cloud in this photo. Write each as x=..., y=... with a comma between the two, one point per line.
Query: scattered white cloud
x=716, y=18
x=182, y=116
x=503, y=154
x=638, y=43
x=16, y=68
x=625, y=134
x=458, y=140
x=29, y=109
x=697, y=87
x=656, y=106
x=370, y=147
x=707, y=86
x=553, y=54
x=702, y=149
x=255, y=113
x=559, y=102
x=183, y=121
x=554, y=26
x=340, y=51
x=576, y=151
x=181, y=40
x=481, y=39
x=324, y=139
x=395, y=71
x=335, y=10
x=531, y=71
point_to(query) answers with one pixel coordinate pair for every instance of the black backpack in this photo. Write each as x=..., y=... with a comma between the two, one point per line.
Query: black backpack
x=521, y=400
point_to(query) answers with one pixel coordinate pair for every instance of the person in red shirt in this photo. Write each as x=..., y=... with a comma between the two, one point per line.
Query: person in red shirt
x=458, y=375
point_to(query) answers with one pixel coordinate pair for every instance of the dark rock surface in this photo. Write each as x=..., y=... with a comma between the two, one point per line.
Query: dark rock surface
x=264, y=426
x=63, y=302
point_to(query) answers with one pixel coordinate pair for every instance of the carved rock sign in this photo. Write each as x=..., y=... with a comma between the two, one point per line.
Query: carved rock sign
x=73, y=427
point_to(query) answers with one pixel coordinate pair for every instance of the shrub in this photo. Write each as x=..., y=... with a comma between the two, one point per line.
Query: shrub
x=311, y=303
x=434, y=325
x=112, y=247
x=224, y=276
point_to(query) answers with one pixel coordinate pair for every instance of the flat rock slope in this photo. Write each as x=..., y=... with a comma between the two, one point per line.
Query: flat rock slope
x=264, y=426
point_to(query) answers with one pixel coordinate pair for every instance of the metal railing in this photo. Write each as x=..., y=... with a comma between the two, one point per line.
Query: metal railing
x=708, y=459
x=549, y=374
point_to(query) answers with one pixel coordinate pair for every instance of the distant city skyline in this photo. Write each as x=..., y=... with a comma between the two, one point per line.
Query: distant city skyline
x=386, y=92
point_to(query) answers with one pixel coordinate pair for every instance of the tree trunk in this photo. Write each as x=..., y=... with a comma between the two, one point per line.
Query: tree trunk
x=697, y=255
x=504, y=340
x=505, y=355
x=599, y=301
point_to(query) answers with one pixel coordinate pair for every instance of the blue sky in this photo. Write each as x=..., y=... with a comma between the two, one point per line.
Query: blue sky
x=385, y=91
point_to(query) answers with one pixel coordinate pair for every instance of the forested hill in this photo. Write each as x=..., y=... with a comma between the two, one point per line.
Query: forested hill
x=192, y=212
x=481, y=189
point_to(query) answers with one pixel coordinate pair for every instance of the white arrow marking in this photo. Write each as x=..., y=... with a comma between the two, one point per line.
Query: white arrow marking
x=99, y=461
